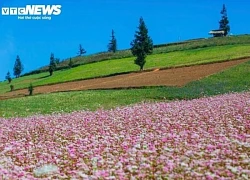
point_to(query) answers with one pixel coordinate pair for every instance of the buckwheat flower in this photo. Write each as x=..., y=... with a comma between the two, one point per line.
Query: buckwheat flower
x=210, y=147
x=137, y=146
x=102, y=173
x=45, y=170
x=168, y=149
x=111, y=178
x=210, y=176
x=233, y=169
x=203, y=135
x=169, y=166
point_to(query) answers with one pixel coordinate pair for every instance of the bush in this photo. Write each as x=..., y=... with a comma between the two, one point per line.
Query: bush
x=30, y=89
x=11, y=87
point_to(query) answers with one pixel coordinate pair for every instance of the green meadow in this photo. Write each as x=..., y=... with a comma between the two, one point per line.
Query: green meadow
x=125, y=65
x=235, y=79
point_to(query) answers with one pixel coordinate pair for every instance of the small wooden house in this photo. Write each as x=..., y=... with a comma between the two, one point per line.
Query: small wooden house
x=217, y=33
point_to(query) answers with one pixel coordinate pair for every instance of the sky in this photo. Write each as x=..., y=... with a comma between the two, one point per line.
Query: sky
x=90, y=22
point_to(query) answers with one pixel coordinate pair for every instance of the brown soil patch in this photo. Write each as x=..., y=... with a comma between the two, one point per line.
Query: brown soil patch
x=168, y=77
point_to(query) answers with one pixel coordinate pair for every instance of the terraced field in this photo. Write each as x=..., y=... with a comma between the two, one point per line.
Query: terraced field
x=166, y=77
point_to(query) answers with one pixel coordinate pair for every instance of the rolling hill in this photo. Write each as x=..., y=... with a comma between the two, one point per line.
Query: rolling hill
x=164, y=56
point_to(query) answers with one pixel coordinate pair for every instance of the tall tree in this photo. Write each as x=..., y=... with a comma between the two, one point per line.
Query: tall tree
x=52, y=64
x=81, y=50
x=8, y=77
x=18, y=67
x=224, y=22
x=112, y=46
x=142, y=45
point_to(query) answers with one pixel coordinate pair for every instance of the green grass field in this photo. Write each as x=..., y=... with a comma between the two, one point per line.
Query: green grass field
x=235, y=79
x=162, y=48
x=108, y=67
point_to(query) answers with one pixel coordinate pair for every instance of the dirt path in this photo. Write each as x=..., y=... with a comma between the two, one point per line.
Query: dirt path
x=168, y=77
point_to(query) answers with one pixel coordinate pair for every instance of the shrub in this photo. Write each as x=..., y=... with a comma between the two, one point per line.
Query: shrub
x=11, y=87
x=8, y=77
x=30, y=89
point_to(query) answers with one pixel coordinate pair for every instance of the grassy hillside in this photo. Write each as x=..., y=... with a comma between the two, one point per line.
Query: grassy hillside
x=161, y=48
x=235, y=79
x=108, y=67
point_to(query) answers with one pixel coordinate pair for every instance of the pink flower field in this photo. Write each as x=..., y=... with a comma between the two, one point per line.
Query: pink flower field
x=207, y=138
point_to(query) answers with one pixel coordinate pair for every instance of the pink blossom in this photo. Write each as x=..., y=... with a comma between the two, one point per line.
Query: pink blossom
x=205, y=138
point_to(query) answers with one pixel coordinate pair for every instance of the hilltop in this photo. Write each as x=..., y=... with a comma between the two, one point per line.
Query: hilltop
x=158, y=49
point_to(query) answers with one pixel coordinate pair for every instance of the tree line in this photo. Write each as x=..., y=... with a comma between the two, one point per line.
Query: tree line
x=141, y=46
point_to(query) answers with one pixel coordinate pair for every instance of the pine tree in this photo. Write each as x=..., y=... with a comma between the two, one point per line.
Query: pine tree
x=112, y=46
x=8, y=77
x=81, y=50
x=224, y=22
x=18, y=67
x=142, y=45
x=52, y=64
